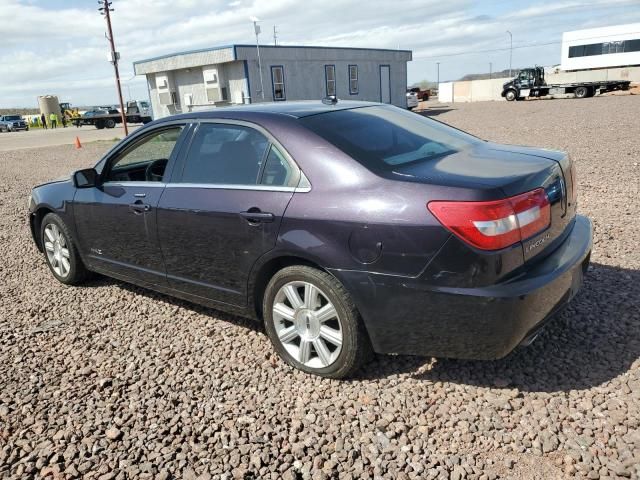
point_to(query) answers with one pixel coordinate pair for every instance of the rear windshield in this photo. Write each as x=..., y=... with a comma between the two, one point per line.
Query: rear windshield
x=383, y=137
x=13, y=117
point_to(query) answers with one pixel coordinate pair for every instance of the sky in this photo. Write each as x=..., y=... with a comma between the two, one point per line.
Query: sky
x=59, y=46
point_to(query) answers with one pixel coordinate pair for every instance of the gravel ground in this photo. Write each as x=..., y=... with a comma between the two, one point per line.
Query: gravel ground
x=111, y=381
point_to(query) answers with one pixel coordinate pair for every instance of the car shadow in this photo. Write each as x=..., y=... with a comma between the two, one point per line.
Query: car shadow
x=432, y=112
x=595, y=339
x=102, y=281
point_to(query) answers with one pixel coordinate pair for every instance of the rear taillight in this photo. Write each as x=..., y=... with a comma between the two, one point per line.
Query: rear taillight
x=496, y=224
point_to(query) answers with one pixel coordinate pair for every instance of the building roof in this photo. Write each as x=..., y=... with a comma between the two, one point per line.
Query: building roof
x=229, y=53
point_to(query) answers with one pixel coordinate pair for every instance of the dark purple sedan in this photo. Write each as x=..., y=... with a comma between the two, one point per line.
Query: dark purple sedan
x=347, y=228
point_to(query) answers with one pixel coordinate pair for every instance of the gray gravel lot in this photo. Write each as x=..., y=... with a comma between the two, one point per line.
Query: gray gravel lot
x=111, y=381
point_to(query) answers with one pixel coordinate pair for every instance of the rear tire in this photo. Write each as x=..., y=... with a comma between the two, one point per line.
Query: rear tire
x=111, y=123
x=100, y=124
x=581, y=92
x=60, y=251
x=320, y=331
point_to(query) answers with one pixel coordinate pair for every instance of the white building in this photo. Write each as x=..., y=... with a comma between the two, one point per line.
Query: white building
x=181, y=82
x=606, y=47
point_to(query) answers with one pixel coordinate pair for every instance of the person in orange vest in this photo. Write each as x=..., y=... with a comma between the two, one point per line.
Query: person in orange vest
x=53, y=120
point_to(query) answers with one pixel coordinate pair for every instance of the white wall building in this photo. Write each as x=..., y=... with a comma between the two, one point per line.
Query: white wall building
x=185, y=81
x=616, y=46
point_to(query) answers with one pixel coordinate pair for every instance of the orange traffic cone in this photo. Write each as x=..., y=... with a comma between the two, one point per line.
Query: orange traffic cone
x=78, y=144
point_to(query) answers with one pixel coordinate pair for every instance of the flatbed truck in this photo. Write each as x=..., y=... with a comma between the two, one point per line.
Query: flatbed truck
x=530, y=82
x=136, y=112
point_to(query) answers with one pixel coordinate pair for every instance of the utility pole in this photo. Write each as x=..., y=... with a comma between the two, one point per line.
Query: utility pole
x=104, y=9
x=256, y=29
x=275, y=36
x=490, y=70
x=438, y=82
x=510, y=50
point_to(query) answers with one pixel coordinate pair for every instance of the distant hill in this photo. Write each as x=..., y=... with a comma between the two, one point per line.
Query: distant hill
x=19, y=111
x=485, y=76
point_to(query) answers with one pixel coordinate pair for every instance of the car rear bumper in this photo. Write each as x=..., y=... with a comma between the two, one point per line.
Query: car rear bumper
x=404, y=315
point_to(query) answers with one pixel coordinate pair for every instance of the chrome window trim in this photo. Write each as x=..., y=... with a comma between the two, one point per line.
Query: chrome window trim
x=221, y=186
x=137, y=184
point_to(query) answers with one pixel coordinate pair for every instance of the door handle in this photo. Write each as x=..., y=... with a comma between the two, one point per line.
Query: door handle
x=138, y=207
x=256, y=216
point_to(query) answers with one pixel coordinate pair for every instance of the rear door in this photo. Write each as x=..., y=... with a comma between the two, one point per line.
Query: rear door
x=223, y=209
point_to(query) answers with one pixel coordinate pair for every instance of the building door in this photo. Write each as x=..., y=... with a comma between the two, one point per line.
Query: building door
x=385, y=83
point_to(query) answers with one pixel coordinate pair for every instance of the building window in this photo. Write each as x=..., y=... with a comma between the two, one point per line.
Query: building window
x=330, y=79
x=604, y=48
x=353, y=79
x=277, y=79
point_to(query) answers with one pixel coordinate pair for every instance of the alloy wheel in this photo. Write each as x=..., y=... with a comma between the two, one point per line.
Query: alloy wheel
x=307, y=324
x=57, y=250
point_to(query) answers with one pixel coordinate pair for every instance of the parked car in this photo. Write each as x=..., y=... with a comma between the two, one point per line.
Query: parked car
x=12, y=123
x=346, y=228
x=421, y=94
x=412, y=100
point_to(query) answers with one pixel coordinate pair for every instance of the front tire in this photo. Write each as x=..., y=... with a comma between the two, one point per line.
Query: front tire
x=511, y=95
x=313, y=323
x=60, y=251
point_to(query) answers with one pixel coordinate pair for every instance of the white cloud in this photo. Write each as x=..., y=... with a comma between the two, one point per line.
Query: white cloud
x=63, y=50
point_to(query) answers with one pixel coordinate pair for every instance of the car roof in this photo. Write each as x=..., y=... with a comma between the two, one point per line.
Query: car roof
x=296, y=109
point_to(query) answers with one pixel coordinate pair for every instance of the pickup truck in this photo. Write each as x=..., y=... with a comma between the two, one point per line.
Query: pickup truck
x=12, y=123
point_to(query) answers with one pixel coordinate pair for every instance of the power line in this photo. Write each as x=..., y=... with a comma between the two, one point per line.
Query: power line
x=530, y=45
x=471, y=52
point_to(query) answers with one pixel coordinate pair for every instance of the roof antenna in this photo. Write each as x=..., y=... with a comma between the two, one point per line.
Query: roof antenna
x=330, y=100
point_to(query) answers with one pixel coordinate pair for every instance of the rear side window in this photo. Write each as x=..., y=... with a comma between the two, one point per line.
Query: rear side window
x=277, y=170
x=223, y=154
x=382, y=137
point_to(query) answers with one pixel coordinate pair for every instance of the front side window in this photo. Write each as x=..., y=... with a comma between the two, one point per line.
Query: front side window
x=353, y=79
x=222, y=154
x=330, y=79
x=147, y=159
x=277, y=79
x=383, y=138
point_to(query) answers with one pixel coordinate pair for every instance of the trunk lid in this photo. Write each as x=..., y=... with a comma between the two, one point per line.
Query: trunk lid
x=499, y=171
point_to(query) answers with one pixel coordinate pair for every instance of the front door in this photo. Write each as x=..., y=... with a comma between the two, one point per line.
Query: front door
x=224, y=210
x=385, y=84
x=116, y=221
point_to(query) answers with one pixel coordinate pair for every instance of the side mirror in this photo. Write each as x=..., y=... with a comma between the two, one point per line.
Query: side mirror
x=86, y=178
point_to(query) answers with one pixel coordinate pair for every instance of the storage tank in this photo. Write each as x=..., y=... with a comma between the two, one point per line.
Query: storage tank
x=49, y=104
